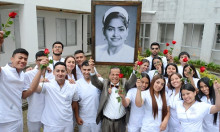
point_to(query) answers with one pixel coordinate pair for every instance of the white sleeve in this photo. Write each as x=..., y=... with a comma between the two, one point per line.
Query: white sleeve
x=167, y=99
x=76, y=94
x=129, y=94
x=27, y=82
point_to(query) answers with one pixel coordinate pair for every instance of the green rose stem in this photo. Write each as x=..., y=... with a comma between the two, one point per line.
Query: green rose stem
x=8, y=24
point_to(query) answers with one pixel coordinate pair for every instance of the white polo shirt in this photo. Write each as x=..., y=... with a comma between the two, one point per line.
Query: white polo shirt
x=149, y=123
x=192, y=119
x=58, y=109
x=88, y=100
x=137, y=113
x=208, y=125
x=36, y=100
x=11, y=87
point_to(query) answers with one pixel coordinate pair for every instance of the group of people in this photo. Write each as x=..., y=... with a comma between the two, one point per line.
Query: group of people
x=71, y=92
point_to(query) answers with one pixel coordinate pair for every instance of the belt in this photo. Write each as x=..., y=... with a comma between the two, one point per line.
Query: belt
x=113, y=120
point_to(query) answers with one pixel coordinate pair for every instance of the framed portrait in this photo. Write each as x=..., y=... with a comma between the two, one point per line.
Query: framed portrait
x=115, y=32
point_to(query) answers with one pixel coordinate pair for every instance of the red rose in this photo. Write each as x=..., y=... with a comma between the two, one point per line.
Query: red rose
x=121, y=75
x=173, y=42
x=165, y=51
x=167, y=44
x=185, y=59
x=12, y=14
x=46, y=51
x=202, y=69
x=139, y=63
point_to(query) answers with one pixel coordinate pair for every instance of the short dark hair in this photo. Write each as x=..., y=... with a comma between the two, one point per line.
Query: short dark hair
x=39, y=54
x=184, y=53
x=114, y=67
x=20, y=50
x=58, y=42
x=59, y=63
x=155, y=43
x=85, y=63
x=78, y=51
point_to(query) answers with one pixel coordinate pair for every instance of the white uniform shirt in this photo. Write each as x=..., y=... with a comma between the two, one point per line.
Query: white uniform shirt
x=36, y=100
x=54, y=62
x=88, y=100
x=125, y=54
x=58, y=109
x=113, y=109
x=180, y=70
x=152, y=73
x=137, y=113
x=164, y=60
x=208, y=125
x=192, y=119
x=11, y=87
x=174, y=123
x=149, y=123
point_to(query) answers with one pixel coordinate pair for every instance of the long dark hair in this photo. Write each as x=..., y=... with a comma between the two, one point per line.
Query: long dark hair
x=195, y=75
x=74, y=70
x=153, y=67
x=162, y=93
x=170, y=64
x=170, y=86
x=147, y=76
x=189, y=87
x=211, y=94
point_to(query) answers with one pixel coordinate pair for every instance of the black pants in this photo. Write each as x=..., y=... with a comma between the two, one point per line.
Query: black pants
x=109, y=125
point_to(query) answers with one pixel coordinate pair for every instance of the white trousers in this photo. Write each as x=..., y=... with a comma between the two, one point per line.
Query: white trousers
x=134, y=129
x=58, y=129
x=34, y=126
x=90, y=127
x=14, y=126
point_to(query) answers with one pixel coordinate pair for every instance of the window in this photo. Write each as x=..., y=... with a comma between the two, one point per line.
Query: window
x=89, y=33
x=166, y=33
x=192, y=35
x=216, y=46
x=144, y=42
x=66, y=31
x=41, y=33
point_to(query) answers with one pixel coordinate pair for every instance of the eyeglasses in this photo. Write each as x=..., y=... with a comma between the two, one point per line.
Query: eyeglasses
x=57, y=47
x=154, y=48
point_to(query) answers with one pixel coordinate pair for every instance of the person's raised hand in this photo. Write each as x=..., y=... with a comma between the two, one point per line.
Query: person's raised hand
x=92, y=64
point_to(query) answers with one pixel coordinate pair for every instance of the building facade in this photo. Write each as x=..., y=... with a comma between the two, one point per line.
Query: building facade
x=195, y=25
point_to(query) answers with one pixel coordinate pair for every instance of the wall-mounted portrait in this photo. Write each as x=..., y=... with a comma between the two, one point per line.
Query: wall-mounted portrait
x=115, y=32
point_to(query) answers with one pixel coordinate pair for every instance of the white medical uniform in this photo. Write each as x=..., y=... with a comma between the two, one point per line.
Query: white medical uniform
x=11, y=88
x=136, y=113
x=164, y=60
x=88, y=105
x=192, y=119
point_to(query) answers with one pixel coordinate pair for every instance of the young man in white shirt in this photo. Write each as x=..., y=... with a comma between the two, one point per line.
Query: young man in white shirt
x=11, y=87
x=80, y=58
x=155, y=49
x=60, y=99
x=110, y=111
x=36, y=100
x=88, y=101
x=57, y=49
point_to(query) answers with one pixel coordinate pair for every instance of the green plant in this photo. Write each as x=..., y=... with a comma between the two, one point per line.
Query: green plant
x=126, y=70
x=147, y=53
x=176, y=59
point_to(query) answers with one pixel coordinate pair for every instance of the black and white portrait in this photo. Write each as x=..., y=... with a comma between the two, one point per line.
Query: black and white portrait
x=115, y=33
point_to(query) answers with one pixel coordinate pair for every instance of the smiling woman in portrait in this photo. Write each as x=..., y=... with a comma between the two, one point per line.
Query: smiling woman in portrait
x=115, y=29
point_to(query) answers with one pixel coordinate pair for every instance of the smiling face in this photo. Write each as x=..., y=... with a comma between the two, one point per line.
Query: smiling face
x=188, y=96
x=204, y=88
x=176, y=81
x=60, y=73
x=70, y=63
x=80, y=58
x=187, y=71
x=116, y=32
x=171, y=69
x=155, y=50
x=145, y=83
x=86, y=71
x=19, y=61
x=144, y=66
x=158, y=85
x=114, y=76
x=157, y=63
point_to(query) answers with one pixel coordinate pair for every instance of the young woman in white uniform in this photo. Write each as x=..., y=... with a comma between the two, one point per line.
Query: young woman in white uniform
x=157, y=67
x=155, y=105
x=191, y=112
x=70, y=62
x=136, y=113
x=207, y=94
